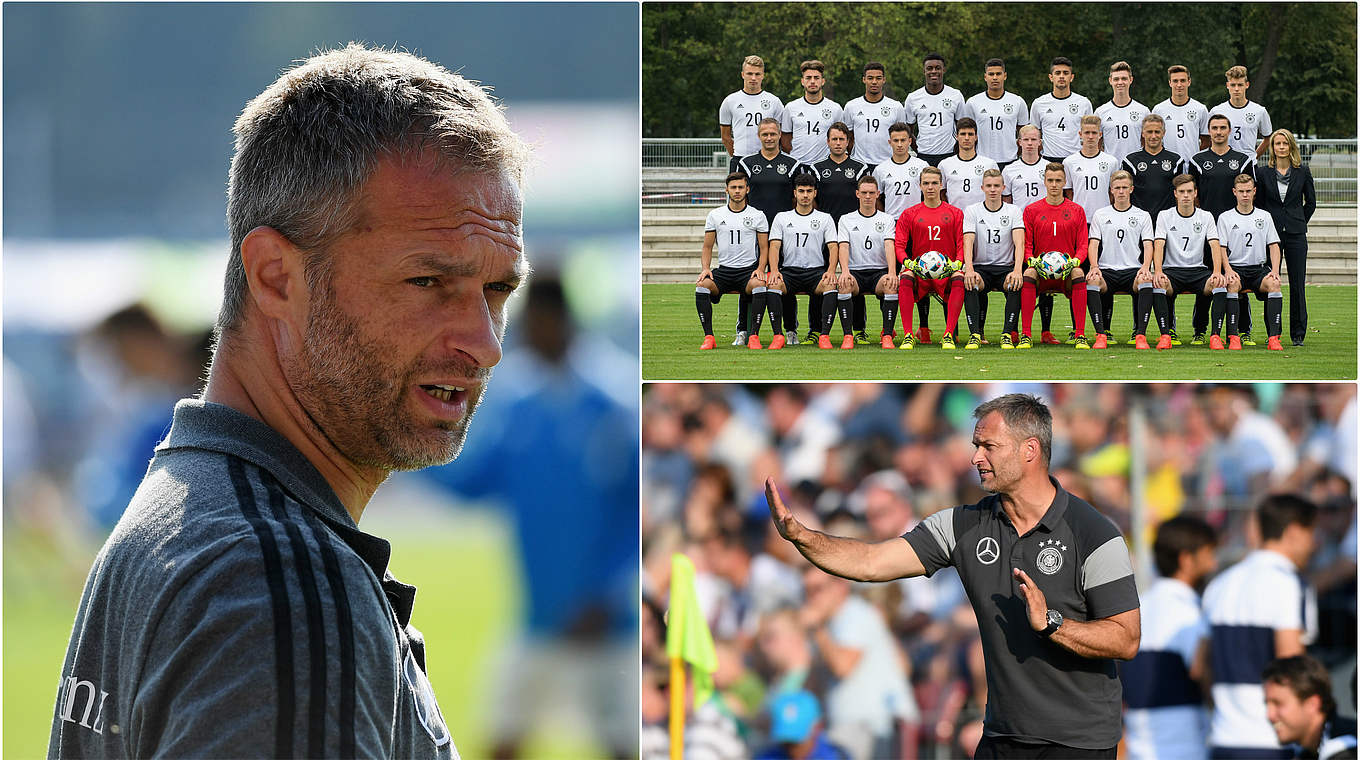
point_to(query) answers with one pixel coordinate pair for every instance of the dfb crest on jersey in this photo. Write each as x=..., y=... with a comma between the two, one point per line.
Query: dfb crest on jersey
x=912, y=171
x=1260, y=224
x=1198, y=227
x=816, y=225
x=748, y=222
x=1232, y=164
x=1103, y=166
x=979, y=169
x=1142, y=166
x=1251, y=117
x=826, y=173
x=1191, y=116
x=764, y=103
x=1008, y=108
x=886, y=110
x=849, y=173
x=947, y=103
x=1073, y=109
x=1004, y=221
x=1050, y=559
x=878, y=227
x=826, y=113
x=1133, y=222
x=1135, y=116
x=782, y=169
x=1166, y=165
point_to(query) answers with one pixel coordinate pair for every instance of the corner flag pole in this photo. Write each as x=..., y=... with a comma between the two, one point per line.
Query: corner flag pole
x=687, y=640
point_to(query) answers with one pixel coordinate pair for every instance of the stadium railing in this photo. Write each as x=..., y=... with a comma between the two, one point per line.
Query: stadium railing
x=687, y=171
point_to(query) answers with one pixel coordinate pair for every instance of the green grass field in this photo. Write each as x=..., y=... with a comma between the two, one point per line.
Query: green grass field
x=671, y=337
x=462, y=564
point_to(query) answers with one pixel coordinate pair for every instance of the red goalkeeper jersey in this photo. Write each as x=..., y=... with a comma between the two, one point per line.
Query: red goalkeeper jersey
x=929, y=229
x=1056, y=228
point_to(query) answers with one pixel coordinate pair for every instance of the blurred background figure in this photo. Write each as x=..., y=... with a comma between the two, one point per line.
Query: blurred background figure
x=557, y=453
x=114, y=248
x=872, y=460
x=796, y=730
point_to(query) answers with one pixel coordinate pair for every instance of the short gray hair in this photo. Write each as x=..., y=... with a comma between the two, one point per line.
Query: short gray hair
x=1027, y=416
x=308, y=143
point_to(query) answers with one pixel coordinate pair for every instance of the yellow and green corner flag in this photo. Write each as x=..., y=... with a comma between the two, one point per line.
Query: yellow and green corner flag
x=687, y=640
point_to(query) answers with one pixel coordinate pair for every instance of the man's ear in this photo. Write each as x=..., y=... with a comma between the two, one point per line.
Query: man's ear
x=274, y=274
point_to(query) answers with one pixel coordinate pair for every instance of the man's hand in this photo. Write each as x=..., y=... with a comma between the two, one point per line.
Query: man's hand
x=971, y=279
x=704, y=275
x=784, y=521
x=1094, y=277
x=1013, y=281
x=1036, y=605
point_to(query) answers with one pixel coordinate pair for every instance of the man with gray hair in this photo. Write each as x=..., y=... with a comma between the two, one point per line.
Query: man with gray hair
x=1050, y=645
x=237, y=610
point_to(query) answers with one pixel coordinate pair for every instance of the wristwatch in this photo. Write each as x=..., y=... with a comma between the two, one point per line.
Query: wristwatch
x=1055, y=621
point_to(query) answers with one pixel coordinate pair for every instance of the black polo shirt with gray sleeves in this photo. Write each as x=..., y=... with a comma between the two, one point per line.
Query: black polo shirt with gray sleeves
x=1037, y=691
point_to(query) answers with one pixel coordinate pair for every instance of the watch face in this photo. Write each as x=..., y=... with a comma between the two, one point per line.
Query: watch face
x=1055, y=617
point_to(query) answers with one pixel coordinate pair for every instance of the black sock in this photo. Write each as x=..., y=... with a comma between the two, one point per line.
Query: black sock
x=1232, y=300
x=788, y=307
x=1012, y=317
x=827, y=311
x=982, y=313
x=1202, y=314
x=703, y=301
x=1142, y=308
x=1244, y=313
x=757, y=314
x=859, y=312
x=743, y=312
x=1161, y=304
x=1218, y=302
x=774, y=302
x=1133, y=310
x=1046, y=311
x=889, y=306
x=844, y=305
x=815, y=315
x=1096, y=308
x=923, y=313
x=1274, y=311
x=971, y=308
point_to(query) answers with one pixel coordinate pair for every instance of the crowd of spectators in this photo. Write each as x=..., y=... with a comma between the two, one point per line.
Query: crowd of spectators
x=872, y=460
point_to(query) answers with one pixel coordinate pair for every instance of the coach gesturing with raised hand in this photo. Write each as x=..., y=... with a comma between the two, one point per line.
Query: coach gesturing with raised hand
x=1050, y=643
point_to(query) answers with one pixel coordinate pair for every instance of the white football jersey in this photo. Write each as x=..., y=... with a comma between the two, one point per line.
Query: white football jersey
x=993, y=244
x=1121, y=235
x=1247, y=236
x=934, y=117
x=870, y=239
x=997, y=123
x=1059, y=121
x=1184, y=125
x=1185, y=236
x=963, y=179
x=1122, y=128
x=807, y=122
x=803, y=238
x=1024, y=182
x=1250, y=124
x=1089, y=180
x=900, y=184
x=736, y=234
x=870, y=122
x=743, y=112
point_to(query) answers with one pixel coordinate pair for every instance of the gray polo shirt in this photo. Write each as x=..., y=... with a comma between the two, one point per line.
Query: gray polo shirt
x=1038, y=691
x=237, y=611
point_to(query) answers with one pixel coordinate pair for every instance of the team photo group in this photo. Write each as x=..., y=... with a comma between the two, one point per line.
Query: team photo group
x=942, y=197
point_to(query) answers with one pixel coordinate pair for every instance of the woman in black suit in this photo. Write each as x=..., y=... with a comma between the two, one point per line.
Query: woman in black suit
x=1284, y=187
